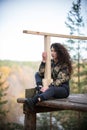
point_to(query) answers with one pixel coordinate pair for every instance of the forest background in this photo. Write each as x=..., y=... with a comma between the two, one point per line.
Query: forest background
x=16, y=76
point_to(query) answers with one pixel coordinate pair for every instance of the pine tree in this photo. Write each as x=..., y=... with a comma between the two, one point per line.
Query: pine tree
x=3, y=89
x=75, y=24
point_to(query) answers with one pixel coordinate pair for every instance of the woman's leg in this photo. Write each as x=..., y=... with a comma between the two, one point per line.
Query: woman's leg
x=38, y=79
x=56, y=92
x=52, y=91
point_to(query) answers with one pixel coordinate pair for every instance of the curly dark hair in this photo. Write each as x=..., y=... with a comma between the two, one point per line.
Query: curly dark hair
x=63, y=55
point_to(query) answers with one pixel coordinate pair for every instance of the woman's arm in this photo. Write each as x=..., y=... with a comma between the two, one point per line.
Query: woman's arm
x=42, y=65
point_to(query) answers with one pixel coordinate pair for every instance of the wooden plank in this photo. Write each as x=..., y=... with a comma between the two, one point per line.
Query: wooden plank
x=55, y=35
x=81, y=98
x=51, y=105
x=69, y=103
x=64, y=105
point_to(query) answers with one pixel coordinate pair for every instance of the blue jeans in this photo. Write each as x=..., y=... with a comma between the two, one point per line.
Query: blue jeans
x=38, y=79
x=61, y=91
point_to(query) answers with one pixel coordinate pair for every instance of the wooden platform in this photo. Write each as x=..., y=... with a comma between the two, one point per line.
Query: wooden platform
x=76, y=102
x=73, y=102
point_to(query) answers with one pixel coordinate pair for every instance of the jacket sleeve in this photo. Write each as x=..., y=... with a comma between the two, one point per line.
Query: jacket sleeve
x=42, y=69
x=62, y=76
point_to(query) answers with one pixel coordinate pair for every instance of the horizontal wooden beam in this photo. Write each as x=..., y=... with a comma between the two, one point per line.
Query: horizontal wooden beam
x=55, y=35
x=76, y=102
x=63, y=105
x=21, y=100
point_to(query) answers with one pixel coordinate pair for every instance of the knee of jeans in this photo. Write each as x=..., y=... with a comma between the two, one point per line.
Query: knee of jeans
x=36, y=74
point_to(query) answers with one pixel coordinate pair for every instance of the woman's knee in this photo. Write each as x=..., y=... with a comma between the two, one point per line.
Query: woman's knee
x=36, y=74
x=38, y=78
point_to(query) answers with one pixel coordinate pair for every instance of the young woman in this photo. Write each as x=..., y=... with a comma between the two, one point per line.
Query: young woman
x=61, y=70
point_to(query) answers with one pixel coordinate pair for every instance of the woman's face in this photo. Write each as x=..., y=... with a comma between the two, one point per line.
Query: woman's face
x=54, y=54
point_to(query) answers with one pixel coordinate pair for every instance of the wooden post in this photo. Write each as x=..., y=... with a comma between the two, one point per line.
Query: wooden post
x=30, y=121
x=47, y=77
x=30, y=117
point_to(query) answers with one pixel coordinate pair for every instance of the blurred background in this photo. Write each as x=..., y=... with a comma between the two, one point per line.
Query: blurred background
x=20, y=56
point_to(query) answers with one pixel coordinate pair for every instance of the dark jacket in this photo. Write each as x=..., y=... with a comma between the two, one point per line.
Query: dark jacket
x=59, y=73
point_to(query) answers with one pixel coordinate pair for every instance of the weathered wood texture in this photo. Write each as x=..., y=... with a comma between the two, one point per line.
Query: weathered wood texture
x=30, y=117
x=77, y=102
x=30, y=121
x=54, y=35
x=73, y=102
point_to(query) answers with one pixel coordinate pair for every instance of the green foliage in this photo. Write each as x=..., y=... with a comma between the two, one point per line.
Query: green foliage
x=75, y=23
x=72, y=120
x=45, y=122
x=11, y=126
x=2, y=100
x=79, y=85
x=74, y=18
x=18, y=63
x=4, y=125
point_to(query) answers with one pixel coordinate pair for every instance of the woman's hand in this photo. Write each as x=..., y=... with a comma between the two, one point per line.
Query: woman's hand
x=44, y=56
x=43, y=89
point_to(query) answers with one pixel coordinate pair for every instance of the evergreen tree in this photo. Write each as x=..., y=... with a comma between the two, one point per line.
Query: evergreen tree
x=75, y=24
x=3, y=89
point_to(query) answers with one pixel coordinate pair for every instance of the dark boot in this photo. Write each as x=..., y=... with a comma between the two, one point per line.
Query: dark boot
x=38, y=87
x=31, y=102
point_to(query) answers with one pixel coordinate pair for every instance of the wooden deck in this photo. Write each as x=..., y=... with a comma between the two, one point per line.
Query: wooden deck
x=76, y=102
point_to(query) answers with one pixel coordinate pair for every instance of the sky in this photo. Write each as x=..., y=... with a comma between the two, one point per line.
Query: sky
x=36, y=15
